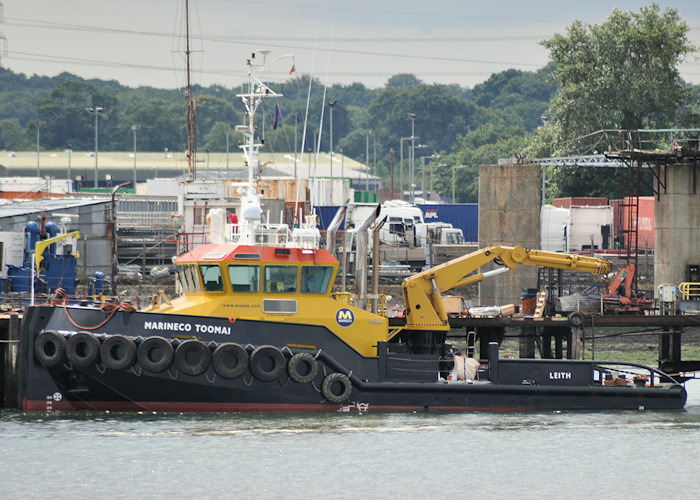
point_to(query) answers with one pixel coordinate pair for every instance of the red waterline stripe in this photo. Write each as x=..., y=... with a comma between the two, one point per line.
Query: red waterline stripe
x=157, y=406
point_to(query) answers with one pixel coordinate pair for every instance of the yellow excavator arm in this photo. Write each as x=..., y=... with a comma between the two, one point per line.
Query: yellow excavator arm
x=422, y=292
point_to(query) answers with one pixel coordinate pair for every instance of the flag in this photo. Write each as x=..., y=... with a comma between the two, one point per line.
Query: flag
x=278, y=117
x=294, y=68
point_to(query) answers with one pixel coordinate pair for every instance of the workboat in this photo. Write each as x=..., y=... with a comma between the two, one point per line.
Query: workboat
x=258, y=327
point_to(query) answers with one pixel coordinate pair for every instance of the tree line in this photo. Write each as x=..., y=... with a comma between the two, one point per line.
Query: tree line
x=620, y=74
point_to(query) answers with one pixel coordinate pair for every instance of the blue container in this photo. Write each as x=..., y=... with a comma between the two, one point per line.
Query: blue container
x=464, y=216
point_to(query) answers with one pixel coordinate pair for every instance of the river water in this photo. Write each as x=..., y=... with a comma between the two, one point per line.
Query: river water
x=636, y=454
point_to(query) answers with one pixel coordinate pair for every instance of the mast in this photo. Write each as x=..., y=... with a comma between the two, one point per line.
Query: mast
x=256, y=92
x=191, y=124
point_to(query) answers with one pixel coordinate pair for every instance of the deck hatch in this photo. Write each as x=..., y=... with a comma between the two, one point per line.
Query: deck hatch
x=214, y=256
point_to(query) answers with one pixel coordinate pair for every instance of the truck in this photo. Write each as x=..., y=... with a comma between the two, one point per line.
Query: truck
x=440, y=233
x=589, y=227
x=401, y=218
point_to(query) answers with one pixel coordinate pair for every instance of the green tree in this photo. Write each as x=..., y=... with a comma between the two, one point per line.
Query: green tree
x=620, y=74
x=403, y=80
x=520, y=97
x=12, y=135
x=482, y=146
x=161, y=126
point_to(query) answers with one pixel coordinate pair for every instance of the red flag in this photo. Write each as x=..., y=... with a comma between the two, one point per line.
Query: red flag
x=293, y=69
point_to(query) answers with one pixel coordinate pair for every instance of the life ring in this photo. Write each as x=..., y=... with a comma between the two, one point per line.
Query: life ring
x=82, y=349
x=155, y=354
x=192, y=357
x=225, y=352
x=118, y=352
x=50, y=348
x=302, y=367
x=336, y=387
x=266, y=363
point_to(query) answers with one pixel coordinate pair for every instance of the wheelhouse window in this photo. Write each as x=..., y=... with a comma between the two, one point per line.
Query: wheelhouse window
x=244, y=277
x=281, y=279
x=211, y=277
x=187, y=277
x=180, y=277
x=315, y=279
x=193, y=277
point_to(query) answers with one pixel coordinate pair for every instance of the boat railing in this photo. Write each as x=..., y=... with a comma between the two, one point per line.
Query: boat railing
x=689, y=290
x=280, y=235
x=618, y=373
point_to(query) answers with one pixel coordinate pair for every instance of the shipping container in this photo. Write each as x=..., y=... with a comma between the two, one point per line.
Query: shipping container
x=644, y=222
x=579, y=201
x=589, y=226
x=553, y=222
x=464, y=216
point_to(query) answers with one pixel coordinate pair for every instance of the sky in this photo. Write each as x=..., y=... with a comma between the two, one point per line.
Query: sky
x=142, y=42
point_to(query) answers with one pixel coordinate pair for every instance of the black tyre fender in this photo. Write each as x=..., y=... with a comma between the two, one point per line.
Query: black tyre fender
x=267, y=363
x=118, y=352
x=149, y=347
x=230, y=350
x=190, y=349
x=336, y=388
x=50, y=348
x=83, y=349
x=576, y=319
x=302, y=367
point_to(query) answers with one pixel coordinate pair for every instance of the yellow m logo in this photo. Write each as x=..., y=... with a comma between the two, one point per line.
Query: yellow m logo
x=345, y=315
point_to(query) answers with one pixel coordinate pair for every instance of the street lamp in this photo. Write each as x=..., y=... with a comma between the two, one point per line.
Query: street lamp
x=401, y=169
x=135, y=128
x=413, y=156
x=330, y=105
x=374, y=155
x=96, y=111
x=412, y=117
x=38, y=126
x=439, y=165
x=369, y=132
x=422, y=182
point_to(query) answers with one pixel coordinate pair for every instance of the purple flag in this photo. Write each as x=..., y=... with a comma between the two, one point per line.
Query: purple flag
x=278, y=117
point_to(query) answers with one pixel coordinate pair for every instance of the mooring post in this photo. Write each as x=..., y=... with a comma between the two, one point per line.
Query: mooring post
x=576, y=346
x=527, y=341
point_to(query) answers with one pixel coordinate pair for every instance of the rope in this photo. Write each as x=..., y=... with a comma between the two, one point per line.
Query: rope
x=109, y=308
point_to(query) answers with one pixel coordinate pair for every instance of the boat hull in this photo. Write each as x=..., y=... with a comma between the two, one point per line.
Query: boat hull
x=343, y=380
